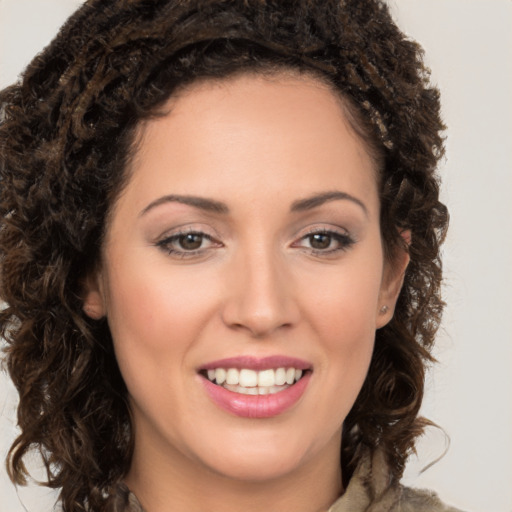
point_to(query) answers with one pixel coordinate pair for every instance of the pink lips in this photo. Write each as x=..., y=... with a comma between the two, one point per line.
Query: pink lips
x=259, y=406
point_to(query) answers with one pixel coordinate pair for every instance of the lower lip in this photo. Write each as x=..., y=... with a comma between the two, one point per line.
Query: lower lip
x=257, y=406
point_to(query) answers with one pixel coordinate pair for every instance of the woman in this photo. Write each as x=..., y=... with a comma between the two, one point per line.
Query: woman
x=220, y=256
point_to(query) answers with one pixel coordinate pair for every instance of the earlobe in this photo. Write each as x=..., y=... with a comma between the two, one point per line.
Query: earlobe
x=94, y=301
x=392, y=281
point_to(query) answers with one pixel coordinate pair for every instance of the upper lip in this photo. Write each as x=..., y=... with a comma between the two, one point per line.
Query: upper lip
x=258, y=363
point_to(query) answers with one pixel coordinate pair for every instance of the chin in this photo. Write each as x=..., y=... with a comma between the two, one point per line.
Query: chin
x=257, y=469
x=264, y=456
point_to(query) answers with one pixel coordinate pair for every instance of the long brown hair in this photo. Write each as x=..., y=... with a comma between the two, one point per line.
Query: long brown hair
x=66, y=138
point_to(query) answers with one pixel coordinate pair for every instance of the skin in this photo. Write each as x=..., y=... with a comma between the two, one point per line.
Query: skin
x=259, y=286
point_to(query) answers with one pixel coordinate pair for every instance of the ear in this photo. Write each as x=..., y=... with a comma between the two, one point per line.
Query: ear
x=392, y=281
x=94, y=305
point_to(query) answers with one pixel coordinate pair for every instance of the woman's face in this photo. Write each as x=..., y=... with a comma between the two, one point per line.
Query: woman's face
x=245, y=249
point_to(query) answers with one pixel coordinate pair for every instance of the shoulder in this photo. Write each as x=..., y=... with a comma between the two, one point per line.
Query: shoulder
x=420, y=500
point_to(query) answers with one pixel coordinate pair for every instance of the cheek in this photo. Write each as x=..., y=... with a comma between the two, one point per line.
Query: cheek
x=150, y=298
x=342, y=308
x=343, y=303
x=155, y=316
x=346, y=326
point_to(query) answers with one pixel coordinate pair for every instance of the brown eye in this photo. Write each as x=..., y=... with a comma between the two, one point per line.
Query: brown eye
x=184, y=245
x=320, y=241
x=190, y=241
x=326, y=243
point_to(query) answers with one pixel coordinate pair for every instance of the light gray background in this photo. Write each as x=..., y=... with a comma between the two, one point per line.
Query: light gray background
x=468, y=45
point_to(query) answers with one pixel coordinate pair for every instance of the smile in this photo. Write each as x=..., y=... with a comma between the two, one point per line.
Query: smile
x=256, y=388
x=252, y=382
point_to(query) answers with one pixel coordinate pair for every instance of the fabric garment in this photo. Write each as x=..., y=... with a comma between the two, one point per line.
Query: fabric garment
x=369, y=490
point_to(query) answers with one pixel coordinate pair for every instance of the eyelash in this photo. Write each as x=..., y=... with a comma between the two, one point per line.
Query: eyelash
x=166, y=244
x=344, y=242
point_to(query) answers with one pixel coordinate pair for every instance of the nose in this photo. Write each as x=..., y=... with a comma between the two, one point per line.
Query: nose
x=260, y=298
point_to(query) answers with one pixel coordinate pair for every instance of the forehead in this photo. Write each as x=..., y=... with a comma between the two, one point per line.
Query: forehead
x=268, y=134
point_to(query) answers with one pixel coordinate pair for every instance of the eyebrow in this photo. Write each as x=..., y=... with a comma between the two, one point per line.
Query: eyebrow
x=212, y=205
x=202, y=203
x=319, y=199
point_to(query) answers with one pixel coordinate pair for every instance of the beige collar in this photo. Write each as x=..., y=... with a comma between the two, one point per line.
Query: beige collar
x=370, y=488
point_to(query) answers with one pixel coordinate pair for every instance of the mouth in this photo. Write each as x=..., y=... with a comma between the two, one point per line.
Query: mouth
x=253, y=382
x=256, y=388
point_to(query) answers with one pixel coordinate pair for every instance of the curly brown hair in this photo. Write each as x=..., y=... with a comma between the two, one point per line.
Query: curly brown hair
x=66, y=136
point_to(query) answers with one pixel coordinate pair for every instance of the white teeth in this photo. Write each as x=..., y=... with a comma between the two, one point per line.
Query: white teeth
x=251, y=382
x=220, y=376
x=280, y=376
x=248, y=378
x=232, y=377
x=266, y=378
